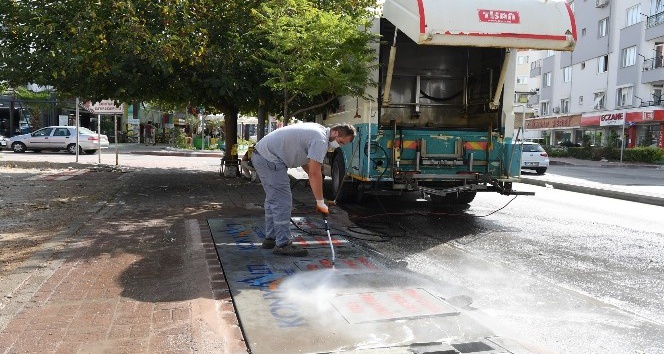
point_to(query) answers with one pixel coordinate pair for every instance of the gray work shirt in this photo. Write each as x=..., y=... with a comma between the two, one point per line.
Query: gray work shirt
x=295, y=144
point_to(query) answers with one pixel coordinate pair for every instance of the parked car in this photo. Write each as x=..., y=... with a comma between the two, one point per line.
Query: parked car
x=3, y=142
x=534, y=157
x=59, y=138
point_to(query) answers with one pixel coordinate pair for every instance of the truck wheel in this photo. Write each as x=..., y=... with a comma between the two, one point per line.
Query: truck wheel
x=344, y=191
x=18, y=147
x=454, y=198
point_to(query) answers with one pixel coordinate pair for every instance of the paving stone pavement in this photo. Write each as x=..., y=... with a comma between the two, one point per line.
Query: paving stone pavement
x=141, y=275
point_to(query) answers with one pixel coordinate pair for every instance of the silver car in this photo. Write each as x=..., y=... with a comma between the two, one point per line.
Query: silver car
x=59, y=138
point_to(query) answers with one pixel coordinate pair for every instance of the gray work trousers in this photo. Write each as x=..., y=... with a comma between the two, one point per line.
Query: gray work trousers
x=278, y=198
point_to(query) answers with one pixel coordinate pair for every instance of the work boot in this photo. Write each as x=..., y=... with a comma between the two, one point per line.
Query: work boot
x=269, y=243
x=290, y=249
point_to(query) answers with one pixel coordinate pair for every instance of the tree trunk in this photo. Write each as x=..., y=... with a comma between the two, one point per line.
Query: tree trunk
x=286, y=107
x=262, y=118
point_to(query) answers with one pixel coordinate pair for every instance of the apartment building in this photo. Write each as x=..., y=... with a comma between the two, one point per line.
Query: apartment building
x=610, y=86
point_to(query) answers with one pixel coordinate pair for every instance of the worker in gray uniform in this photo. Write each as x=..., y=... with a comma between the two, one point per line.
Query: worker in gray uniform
x=305, y=145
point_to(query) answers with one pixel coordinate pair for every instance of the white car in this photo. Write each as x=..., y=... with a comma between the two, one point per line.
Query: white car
x=59, y=138
x=534, y=157
x=3, y=142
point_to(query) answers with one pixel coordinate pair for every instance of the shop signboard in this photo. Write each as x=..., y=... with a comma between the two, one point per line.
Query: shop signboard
x=611, y=119
x=104, y=107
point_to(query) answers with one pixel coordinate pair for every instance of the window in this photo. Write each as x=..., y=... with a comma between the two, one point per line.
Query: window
x=657, y=95
x=602, y=64
x=43, y=132
x=567, y=74
x=61, y=132
x=603, y=28
x=599, y=102
x=547, y=80
x=544, y=108
x=628, y=56
x=521, y=98
x=624, y=96
x=649, y=135
x=659, y=50
x=522, y=59
x=522, y=80
x=549, y=53
x=633, y=15
x=564, y=105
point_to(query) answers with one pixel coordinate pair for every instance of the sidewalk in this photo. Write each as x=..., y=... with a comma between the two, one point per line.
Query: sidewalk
x=642, y=194
x=138, y=273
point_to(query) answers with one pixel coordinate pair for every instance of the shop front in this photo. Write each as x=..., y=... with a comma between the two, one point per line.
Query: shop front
x=639, y=127
x=554, y=130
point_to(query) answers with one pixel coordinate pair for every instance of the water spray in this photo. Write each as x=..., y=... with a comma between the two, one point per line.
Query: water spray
x=329, y=237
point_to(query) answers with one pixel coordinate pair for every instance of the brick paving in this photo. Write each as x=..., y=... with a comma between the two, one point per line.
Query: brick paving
x=141, y=275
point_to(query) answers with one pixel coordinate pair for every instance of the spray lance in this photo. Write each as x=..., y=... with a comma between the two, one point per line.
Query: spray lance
x=327, y=228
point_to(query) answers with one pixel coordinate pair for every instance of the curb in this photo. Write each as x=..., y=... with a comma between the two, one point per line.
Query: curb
x=179, y=153
x=631, y=197
x=581, y=163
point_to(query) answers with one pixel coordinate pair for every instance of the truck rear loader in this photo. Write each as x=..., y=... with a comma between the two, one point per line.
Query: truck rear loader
x=440, y=120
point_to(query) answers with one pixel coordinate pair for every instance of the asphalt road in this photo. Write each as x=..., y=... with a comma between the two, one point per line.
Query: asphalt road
x=570, y=272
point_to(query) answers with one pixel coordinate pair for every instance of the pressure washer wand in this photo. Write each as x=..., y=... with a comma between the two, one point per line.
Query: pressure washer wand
x=329, y=236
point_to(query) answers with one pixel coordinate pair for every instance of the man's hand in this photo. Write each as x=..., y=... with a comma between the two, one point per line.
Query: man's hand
x=322, y=208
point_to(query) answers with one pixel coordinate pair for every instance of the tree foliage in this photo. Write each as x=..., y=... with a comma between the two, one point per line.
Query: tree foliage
x=187, y=52
x=313, y=51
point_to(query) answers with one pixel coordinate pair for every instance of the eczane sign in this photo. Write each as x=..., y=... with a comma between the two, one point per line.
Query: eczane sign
x=617, y=118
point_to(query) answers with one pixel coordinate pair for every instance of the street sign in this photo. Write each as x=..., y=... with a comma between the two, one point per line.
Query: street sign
x=104, y=107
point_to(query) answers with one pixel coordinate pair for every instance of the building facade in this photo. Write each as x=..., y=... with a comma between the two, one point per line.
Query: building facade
x=610, y=87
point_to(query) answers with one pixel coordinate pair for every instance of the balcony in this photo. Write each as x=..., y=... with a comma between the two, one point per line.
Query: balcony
x=655, y=20
x=653, y=71
x=654, y=28
x=657, y=103
x=536, y=68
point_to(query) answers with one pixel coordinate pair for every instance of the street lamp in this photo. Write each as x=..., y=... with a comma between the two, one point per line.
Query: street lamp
x=523, y=121
x=521, y=131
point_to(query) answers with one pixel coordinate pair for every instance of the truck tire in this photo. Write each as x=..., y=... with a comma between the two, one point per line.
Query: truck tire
x=348, y=190
x=454, y=198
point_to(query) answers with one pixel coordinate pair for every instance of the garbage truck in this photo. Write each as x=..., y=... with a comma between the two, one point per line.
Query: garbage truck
x=440, y=120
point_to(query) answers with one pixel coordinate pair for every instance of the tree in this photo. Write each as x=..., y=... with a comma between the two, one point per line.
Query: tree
x=185, y=52
x=178, y=51
x=313, y=53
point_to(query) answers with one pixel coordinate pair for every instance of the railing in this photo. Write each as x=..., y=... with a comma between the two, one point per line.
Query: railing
x=653, y=63
x=655, y=20
x=652, y=103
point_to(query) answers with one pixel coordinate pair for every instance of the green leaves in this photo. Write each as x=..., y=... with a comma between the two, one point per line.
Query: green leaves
x=312, y=49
